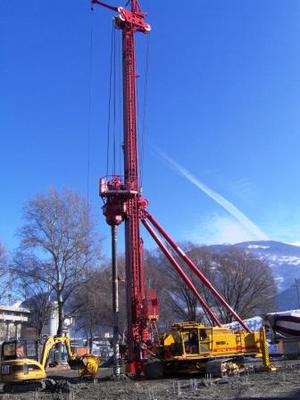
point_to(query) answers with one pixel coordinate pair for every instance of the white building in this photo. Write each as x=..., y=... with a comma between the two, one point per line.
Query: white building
x=11, y=320
x=51, y=324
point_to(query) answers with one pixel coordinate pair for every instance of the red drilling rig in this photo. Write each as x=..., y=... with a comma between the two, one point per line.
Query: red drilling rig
x=124, y=202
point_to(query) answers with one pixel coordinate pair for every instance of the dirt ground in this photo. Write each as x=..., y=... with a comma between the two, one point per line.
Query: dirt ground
x=283, y=384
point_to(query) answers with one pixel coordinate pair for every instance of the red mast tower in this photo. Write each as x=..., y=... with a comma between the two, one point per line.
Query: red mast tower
x=124, y=202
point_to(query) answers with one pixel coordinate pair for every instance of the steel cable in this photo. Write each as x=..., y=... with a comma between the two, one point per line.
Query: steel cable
x=109, y=101
x=89, y=113
x=145, y=104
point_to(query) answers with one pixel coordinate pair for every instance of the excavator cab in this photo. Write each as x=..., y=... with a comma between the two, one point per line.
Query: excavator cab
x=17, y=349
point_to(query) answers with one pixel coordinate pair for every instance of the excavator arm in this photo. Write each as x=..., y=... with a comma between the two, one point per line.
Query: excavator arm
x=88, y=365
x=53, y=341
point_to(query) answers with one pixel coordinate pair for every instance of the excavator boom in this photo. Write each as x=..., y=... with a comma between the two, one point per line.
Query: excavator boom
x=88, y=364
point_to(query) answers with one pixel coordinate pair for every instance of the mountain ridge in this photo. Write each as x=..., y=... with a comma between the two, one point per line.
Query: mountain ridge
x=284, y=262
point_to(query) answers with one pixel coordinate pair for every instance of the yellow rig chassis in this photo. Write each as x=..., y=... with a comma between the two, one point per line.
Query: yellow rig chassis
x=194, y=347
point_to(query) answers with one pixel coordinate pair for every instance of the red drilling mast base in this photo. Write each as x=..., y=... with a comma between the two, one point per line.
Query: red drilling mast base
x=124, y=202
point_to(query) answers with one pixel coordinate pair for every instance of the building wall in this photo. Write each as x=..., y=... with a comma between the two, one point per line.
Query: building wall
x=11, y=320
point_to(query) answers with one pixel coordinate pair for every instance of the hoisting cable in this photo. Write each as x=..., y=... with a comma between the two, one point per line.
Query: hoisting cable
x=114, y=102
x=90, y=76
x=144, y=112
x=120, y=93
x=109, y=100
x=119, y=90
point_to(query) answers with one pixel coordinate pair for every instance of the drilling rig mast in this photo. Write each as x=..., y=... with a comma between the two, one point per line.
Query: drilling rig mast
x=123, y=202
x=123, y=199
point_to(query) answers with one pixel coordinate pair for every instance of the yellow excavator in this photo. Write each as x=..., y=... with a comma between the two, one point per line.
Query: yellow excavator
x=20, y=365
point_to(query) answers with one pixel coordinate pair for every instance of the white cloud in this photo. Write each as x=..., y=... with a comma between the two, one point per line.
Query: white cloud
x=245, y=223
x=219, y=229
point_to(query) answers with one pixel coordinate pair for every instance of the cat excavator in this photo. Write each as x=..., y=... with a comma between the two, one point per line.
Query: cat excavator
x=20, y=365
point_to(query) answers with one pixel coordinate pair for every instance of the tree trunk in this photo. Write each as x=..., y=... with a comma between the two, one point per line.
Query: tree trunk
x=90, y=341
x=60, y=305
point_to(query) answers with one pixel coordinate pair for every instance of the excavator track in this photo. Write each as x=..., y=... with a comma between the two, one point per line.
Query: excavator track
x=48, y=384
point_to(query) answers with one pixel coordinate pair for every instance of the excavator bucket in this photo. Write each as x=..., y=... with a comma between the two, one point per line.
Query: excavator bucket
x=76, y=363
x=87, y=365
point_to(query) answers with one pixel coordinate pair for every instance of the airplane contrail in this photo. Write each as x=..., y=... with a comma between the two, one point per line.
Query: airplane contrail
x=226, y=204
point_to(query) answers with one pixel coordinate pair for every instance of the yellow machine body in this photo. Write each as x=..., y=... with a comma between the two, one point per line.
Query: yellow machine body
x=21, y=370
x=192, y=340
x=191, y=345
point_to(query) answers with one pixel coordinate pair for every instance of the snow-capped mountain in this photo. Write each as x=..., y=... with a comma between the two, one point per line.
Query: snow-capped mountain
x=284, y=261
x=282, y=258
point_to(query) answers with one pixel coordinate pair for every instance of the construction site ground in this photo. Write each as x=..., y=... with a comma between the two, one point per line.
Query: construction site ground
x=283, y=384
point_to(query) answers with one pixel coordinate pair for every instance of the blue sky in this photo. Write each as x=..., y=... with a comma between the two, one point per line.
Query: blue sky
x=222, y=102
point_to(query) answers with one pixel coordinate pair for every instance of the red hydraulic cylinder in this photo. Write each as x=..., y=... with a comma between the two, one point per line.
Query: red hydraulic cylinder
x=183, y=275
x=195, y=269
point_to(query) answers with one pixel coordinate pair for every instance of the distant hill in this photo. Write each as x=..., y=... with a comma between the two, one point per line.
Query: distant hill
x=284, y=261
x=288, y=299
x=282, y=258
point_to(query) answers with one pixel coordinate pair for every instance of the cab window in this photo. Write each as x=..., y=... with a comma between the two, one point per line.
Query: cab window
x=205, y=340
x=191, y=343
x=9, y=349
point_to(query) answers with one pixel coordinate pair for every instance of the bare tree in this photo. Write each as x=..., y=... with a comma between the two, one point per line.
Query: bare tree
x=88, y=309
x=183, y=303
x=176, y=301
x=92, y=304
x=40, y=307
x=4, y=272
x=58, y=245
x=2, y=255
x=244, y=281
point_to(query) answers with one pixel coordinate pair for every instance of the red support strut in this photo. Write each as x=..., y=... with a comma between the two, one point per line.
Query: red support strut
x=195, y=269
x=183, y=275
